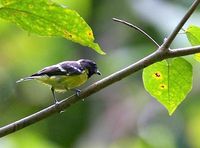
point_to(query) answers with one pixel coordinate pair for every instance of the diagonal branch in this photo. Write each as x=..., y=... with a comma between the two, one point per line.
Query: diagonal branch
x=115, y=77
x=172, y=36
x=162, y=53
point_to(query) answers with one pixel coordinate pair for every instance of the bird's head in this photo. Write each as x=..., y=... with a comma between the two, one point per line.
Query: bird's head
x=90, y=66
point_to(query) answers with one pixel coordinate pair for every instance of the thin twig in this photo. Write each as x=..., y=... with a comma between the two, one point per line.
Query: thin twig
x=158, y=55
x=138, y=29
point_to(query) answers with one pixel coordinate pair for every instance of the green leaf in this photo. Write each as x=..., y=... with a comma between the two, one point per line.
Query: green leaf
x=169, y=82
x=193, y=35
x=47, y=18
x=7, y=2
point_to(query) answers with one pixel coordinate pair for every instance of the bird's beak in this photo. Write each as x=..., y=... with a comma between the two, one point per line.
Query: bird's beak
x=98, y=72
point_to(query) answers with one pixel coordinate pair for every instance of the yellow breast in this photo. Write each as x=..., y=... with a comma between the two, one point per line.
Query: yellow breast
x=63, y=83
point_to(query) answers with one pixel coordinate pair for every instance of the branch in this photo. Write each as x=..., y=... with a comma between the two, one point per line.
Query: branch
x=138, y=29
x=115, y=77
x=172, y=36
x=161, y=53
x=184, y=51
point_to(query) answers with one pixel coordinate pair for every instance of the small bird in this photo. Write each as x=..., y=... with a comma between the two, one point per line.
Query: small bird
x=67, y=75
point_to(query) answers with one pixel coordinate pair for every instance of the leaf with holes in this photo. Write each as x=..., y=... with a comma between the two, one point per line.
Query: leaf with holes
x=193, y=35
x=47, y=18
x=169, y=82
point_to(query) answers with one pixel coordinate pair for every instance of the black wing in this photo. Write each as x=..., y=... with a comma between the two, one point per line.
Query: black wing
x=64, y=68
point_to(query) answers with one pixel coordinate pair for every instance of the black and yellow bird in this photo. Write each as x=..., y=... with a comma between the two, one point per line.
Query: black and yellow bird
x=67, y=75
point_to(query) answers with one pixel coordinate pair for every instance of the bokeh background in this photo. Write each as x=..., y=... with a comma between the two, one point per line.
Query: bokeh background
x=122, y=115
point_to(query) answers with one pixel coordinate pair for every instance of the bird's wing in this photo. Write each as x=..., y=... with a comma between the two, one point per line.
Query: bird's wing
x=72, y=67
x=64, y=68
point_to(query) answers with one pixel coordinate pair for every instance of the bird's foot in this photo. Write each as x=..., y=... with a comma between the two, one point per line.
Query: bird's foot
x=56, y=103
x=57, y=106
x=77, y=91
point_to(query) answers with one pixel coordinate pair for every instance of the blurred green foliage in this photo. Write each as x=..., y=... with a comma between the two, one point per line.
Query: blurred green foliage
x=122, y=115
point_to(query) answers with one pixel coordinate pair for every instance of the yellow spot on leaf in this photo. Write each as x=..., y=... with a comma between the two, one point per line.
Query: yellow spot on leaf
x=51, y=7
x=90, y=34
x=163, y=86
x=67, y=10
x=157, y=75
x=67, y=35
x=30, y=6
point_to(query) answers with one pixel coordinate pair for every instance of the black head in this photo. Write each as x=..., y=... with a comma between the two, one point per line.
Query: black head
x=90, y=66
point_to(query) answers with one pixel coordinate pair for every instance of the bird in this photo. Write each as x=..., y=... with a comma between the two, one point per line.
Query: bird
x=64, y=76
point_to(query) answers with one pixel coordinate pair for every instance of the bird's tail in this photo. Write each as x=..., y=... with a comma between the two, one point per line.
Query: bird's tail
x=25, y=79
